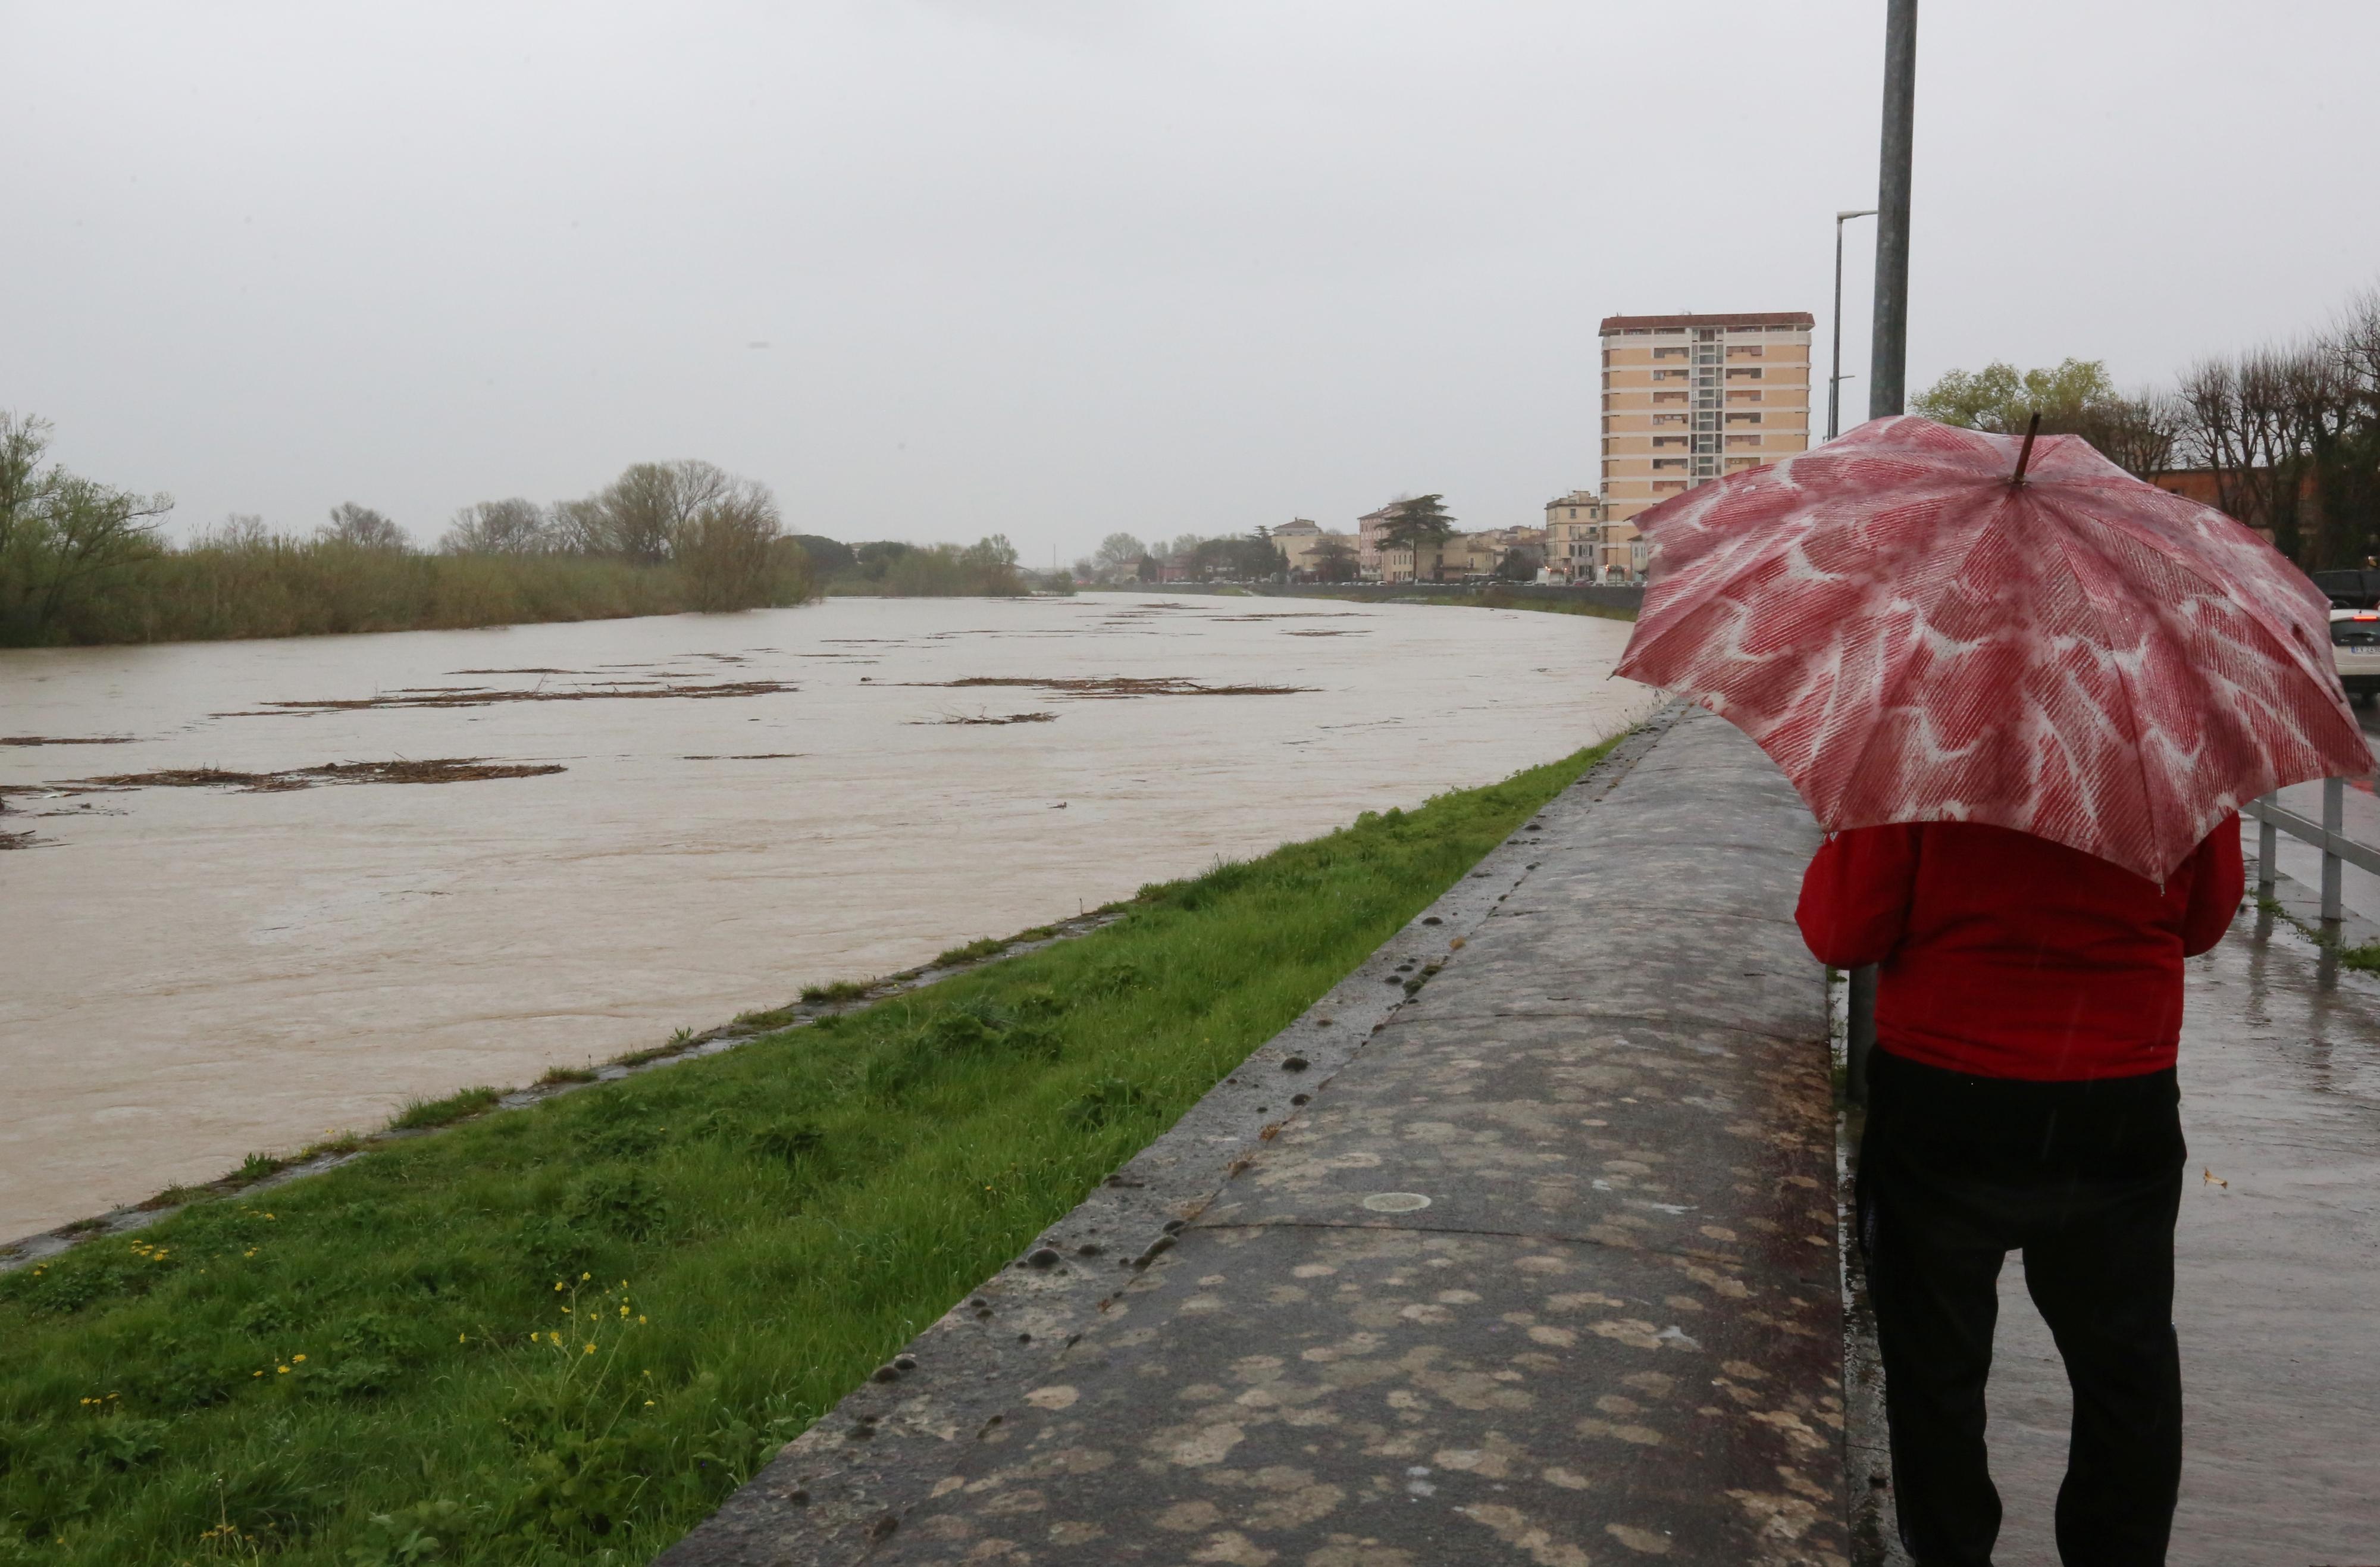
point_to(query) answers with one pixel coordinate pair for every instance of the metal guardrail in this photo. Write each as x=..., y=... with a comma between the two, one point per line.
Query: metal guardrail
x=2337, y=850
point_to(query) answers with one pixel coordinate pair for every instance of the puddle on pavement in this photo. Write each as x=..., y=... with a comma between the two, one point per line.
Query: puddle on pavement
x=199, y=972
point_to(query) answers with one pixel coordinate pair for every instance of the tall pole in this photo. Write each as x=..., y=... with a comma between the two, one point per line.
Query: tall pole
x=1834, y=380
x=1888, y=383
x=1889, y=351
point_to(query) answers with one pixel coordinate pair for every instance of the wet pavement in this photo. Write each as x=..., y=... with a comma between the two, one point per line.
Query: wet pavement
x=2277, y=1288
x=1542, y=1271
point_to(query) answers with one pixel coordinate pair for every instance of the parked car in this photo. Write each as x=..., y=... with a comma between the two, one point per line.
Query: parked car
x=2350, y=589
x=2355, y=650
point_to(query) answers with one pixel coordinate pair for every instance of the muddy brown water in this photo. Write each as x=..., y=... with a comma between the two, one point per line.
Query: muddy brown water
x=192, y=973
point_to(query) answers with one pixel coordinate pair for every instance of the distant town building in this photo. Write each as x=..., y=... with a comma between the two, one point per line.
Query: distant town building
x=1368, y=541
x=1574, y=537
x=1690, y=398
x=1301, y=540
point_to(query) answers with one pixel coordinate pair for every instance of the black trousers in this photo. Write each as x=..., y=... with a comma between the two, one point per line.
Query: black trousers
x=2085, y=1178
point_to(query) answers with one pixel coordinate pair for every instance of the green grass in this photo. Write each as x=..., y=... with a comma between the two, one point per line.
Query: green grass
x=389, y=1362
x=421, y=1115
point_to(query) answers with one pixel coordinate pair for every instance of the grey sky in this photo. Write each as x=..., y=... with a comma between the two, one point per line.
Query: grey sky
x=1054, y=267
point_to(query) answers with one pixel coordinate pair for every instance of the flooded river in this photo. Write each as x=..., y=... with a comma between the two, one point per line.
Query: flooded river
x=663, y=823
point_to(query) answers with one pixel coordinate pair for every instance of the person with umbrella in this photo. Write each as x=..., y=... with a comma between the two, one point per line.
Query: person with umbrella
x=2026, y=694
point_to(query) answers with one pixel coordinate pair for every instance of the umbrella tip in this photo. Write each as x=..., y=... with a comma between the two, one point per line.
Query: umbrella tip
x=2025, y=454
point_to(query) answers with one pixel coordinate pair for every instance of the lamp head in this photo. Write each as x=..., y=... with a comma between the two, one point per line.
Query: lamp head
x=1863, y=213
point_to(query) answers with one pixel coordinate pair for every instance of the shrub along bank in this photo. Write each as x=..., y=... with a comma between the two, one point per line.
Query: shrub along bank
x=564, y=1333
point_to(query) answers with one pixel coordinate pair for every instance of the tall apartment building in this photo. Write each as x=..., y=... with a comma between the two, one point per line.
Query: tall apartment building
x=1690, y=398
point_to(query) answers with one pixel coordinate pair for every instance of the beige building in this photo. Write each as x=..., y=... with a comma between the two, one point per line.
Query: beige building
x=1300, y=540
x=1690, y=398
x=1574, y=536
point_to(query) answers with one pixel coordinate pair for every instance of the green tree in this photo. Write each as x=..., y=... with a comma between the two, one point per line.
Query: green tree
x=2073, y=397
x=1419, y=524
x=64, y=540
x=1333, y=559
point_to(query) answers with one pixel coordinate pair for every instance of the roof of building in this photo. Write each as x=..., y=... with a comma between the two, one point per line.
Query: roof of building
x=1755, y=318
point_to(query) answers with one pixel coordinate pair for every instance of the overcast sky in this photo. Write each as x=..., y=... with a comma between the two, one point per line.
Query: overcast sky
x=939, y=268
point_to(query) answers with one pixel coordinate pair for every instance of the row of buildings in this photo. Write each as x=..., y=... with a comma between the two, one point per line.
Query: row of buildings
x=1686, y=399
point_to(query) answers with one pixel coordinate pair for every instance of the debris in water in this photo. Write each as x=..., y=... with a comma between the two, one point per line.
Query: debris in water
x=65, y=740
x=2208, y=1178
x=1113, y=686
x=481, y=698
x=442, y=770
x=991, y=718
x=750, y=756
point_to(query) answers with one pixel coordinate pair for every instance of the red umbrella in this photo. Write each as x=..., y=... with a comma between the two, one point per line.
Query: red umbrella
x=1916, y=629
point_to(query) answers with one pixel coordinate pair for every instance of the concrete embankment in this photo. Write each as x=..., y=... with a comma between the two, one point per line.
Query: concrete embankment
x=1518, y=1247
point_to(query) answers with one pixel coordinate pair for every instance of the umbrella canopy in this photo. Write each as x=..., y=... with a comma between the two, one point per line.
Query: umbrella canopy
x=1914, y=636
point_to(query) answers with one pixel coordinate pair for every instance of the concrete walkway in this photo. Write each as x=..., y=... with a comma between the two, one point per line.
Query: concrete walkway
x=1537, y=1267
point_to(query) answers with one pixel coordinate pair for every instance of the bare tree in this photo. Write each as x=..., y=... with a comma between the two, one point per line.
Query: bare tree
x=515, y=526
x=362, y=528
x=1117, y=553
x=726, y=544
x=638, y=514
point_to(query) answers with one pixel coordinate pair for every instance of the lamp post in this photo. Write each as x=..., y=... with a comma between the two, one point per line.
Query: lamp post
x=1888, y=377
x=1834, y=380
x=1889, y=348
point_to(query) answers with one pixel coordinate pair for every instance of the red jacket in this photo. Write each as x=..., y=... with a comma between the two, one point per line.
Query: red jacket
x=2006, y=956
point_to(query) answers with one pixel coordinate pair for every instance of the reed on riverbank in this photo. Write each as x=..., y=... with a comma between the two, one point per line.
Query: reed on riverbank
x=563, y=1333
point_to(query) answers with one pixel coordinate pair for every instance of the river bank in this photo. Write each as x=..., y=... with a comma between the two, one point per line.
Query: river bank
x=567, y=841
x=564, y=1332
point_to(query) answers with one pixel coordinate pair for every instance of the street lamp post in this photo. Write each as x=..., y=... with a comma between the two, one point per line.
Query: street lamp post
x=1834, y=380
x=1888, y=379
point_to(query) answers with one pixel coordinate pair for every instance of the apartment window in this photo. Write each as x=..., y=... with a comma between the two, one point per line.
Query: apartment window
x=1668, y=485
x=1746, y=350
x=1670, y=353
x=1668, y=396
x=1607, y=426
x=1668, y=440
x=1668, y=462
x=1743, y=373
x=1670, y=418
x=1670, y=331
x=1743, y=439
x=1743, y=418
x=1669, y=374
x=1744, y=396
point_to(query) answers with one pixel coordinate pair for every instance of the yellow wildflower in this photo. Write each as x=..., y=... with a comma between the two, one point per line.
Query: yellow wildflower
x=297, y=1357
x=590, y=1349
x=584, y=1277
x=281, y=1371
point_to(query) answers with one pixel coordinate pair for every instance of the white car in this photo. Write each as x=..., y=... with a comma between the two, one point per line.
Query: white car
x=2355, y=650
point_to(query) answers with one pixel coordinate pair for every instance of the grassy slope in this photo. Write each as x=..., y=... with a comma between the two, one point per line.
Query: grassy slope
x=739, y=1240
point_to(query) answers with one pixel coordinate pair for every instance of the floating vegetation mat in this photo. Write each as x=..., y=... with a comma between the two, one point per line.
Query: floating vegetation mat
x=748, y=755
x=994, y=718
x=1120, y=685
x=443, y=770
x=16, y=840
x=65, y=740
x=475, y=697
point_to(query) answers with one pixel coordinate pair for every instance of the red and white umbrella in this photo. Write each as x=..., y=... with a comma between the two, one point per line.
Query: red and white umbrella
x=1916, y=629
